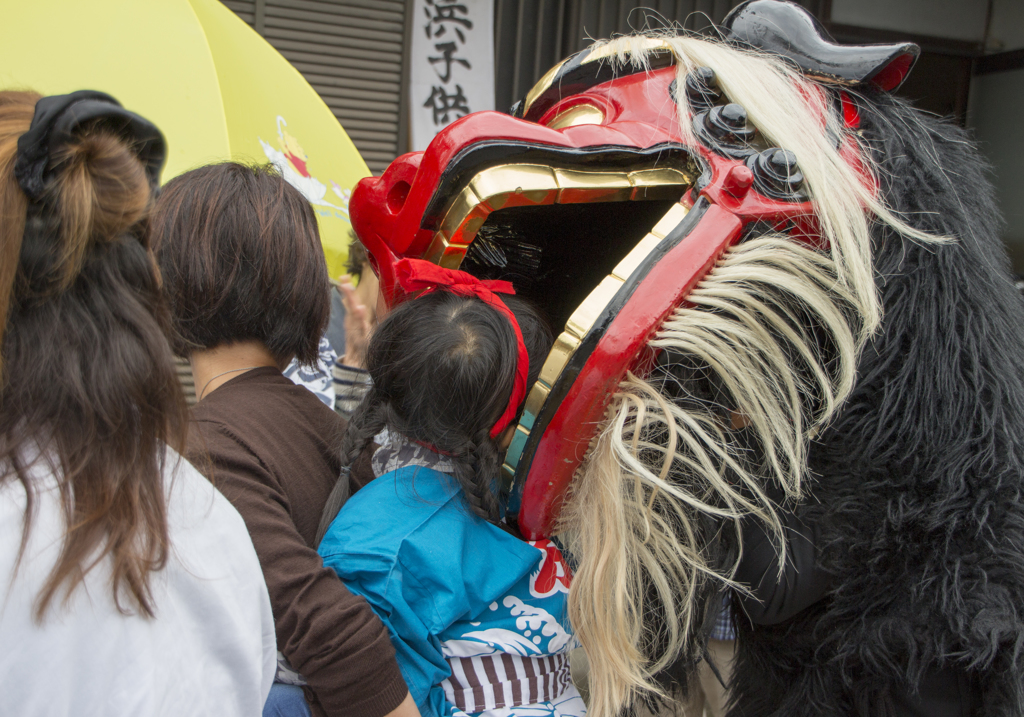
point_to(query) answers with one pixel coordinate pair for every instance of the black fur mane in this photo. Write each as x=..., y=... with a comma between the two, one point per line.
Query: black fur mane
x=918, y=483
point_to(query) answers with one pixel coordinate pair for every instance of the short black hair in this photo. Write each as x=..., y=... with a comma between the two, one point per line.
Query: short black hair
x=357, y=257
x=468, y=350
x=443, y=368
x=241, y=259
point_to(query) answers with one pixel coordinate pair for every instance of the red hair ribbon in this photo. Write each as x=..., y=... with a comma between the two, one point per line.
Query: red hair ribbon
x=418, y=275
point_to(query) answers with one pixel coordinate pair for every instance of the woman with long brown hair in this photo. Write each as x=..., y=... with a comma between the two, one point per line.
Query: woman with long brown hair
x=128, y=585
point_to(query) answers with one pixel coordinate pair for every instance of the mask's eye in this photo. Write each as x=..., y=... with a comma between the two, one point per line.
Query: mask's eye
x=582, y=113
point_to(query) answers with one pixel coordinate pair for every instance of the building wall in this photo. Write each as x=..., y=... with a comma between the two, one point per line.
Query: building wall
x=954, y=19
x=997, y=106
x=1006, y=29
x=351, y=52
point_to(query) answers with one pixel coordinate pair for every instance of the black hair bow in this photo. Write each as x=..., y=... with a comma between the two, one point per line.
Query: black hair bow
x=57, y=119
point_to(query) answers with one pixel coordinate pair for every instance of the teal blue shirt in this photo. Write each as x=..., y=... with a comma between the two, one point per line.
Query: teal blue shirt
x=444, y=581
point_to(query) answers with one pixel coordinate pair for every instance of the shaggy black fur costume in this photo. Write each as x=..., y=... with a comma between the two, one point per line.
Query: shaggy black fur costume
x=918, y=490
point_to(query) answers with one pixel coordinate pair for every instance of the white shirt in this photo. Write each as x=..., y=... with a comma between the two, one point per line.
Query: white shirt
x=210, y=650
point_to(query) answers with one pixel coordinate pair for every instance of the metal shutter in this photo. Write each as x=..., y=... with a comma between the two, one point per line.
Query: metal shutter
x=245, y=9
x=352, y=53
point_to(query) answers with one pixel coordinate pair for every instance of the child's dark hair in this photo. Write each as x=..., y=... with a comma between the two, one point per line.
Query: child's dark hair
x=443, y=368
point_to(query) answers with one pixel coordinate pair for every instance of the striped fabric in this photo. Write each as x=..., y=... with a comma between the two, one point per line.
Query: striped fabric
x=350, y=387
x=316, y=378
x=724, y=628
x=490, y=682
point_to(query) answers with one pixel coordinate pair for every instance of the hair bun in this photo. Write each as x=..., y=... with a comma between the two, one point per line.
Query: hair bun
x=100, y=191
x=104, y=184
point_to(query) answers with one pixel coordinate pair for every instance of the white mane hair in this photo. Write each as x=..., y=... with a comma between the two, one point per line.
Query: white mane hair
x=778, y=325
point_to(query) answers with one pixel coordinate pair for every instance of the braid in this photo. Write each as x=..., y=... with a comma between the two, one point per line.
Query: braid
x=476, y=468
x=367, y=422
x=444, y=367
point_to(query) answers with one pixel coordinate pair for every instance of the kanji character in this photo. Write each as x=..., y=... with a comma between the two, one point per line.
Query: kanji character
x=443, y=104
x=447, y=56
x=445, y=12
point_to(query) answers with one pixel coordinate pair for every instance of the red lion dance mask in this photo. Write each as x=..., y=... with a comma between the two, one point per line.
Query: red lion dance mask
x=717, y=228
x=621, y=215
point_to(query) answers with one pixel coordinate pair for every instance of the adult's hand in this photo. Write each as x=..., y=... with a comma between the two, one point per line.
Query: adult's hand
x=358, y=326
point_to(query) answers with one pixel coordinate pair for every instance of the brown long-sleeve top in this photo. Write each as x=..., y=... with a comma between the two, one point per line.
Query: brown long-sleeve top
x=271, y=448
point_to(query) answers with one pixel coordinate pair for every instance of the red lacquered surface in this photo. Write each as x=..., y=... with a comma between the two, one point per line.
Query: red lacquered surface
x=576, y=420
x=392, y=228
x=389, y=214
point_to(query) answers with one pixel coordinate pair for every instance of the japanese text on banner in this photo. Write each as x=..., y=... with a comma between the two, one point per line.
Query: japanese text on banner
x=452, y=64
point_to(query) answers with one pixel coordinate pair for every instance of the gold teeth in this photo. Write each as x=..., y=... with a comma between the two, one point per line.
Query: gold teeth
x=578, y=326
x=625, y=268
x=536, y=398
x=585, y=315
x=562, y=350
x=520, y=185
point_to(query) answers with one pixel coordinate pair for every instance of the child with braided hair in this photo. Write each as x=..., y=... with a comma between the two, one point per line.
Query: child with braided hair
x=477, y=615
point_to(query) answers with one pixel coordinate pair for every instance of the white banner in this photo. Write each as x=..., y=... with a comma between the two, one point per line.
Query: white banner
x=452, y=64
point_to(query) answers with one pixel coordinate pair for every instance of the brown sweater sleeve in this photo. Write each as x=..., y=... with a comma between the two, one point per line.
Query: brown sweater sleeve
x=329, y=635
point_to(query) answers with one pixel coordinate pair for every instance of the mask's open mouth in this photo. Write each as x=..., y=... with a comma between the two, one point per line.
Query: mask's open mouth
x=571, y=239
x=579, y=229
x=540, y=249
x=557, y=233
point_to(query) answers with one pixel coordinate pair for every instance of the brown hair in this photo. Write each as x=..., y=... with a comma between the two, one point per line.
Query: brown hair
x=241, y=259
x=88, y=375
x=357, y=258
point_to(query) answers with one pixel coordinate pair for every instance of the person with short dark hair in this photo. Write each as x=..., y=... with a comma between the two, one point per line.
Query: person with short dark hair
x=247, y=282
x=242, y=262
x=477, y=615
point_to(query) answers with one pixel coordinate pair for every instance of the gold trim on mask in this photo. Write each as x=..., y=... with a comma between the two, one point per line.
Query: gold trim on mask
x=542, y=86
x=583, y=113
x=576, y=328
x=648, y=44
x=522, y=185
